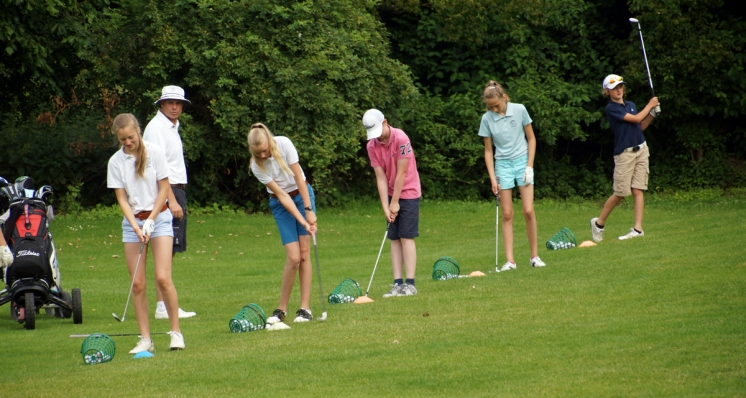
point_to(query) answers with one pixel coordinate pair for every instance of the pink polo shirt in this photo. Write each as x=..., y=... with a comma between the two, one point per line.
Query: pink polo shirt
x=386, y=155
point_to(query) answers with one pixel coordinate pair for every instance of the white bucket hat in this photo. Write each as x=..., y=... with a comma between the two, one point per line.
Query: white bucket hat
x=373, y=123
x=172, y=93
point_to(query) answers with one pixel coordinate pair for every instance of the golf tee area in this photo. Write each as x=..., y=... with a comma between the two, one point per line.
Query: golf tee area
x=660, y=315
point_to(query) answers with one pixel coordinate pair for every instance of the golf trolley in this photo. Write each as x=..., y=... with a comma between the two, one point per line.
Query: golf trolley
x=32, y=281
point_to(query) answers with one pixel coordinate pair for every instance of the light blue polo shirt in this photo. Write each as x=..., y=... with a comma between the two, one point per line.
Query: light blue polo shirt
x=506, y=131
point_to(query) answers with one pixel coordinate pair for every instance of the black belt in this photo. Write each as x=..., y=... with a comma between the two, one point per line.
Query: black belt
x=180, y=186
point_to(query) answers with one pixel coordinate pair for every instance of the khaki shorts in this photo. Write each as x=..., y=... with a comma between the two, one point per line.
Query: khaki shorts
x=631, y=170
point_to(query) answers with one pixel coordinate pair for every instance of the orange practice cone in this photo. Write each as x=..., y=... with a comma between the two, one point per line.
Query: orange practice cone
x=363, y=300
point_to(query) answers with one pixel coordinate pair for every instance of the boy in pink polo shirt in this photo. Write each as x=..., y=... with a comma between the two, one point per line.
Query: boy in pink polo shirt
x=398, y=182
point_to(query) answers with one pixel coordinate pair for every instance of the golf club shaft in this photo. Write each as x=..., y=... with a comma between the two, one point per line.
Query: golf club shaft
x=379, y=257
x=134, y=275
x=318, y=271
x=77, y=336
x=645, y=57
x=497, y=226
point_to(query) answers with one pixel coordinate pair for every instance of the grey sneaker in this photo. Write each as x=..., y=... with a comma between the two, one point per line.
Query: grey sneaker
x=598, y=233
x=395, y=291
x=632, y=234
x=407, y=290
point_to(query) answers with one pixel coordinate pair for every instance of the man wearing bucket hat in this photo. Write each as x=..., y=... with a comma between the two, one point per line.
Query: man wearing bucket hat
x=631, y=154
x=163, y=130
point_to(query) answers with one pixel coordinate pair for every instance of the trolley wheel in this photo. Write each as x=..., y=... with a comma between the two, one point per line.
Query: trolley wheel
x=77, y=307
x=61, y=312
x=30, y=307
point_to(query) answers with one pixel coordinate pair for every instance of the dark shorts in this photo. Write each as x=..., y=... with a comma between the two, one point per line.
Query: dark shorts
x=180, y=226
x=407, y=222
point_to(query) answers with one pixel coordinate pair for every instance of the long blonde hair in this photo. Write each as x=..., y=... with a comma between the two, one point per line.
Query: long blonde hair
x=493, y=89
x=258, y=135
x=124, y=120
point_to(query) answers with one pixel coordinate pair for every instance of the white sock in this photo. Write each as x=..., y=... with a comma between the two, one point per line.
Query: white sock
x=160, y=306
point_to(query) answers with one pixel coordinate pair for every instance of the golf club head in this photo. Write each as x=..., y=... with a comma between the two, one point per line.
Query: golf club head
x=322, y=318
x=634, y=20
x=117, y=317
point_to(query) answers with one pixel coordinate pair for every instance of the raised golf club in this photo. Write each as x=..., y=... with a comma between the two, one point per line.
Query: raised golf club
x=124, y=314
x=321, y=289
x=366, y=299
x=644, y=55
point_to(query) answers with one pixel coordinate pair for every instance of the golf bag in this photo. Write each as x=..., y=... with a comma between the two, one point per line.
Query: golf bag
x=33, y=279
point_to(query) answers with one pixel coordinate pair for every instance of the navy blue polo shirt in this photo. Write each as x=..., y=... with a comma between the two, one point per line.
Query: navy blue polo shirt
x=626, y=134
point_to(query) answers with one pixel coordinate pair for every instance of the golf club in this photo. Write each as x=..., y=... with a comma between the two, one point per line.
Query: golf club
x=124, y=314
x=321, y=289
x=497, y=229
x=77, y=336
x=367, y=299
x=644, y=55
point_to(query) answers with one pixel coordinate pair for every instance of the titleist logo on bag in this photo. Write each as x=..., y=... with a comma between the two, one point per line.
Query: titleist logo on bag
x=22, y=253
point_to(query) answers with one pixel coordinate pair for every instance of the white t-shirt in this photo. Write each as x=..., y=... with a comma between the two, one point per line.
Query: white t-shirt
x=273, y=170
x=165, y=134
x=141, y=192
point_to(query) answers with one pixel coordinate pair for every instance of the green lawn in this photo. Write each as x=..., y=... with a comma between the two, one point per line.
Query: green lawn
x=662, y=315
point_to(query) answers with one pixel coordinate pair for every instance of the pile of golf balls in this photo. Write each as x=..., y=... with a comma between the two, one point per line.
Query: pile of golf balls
x=561, y=245
x=97, y=357
x=340, y=298
x=243, y=325
x=442, y=276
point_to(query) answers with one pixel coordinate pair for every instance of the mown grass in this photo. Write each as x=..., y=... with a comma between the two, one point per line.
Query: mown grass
x=661, y=315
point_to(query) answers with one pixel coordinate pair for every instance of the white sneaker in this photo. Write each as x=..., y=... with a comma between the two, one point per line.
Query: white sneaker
x=598, y=233
x=536, y=262
x=304, y=315
x=632, y=234
x=277, y=316
x=508, y=266
x=182, y=314
x=395, y=291
x=143, y=345
x=177, y=341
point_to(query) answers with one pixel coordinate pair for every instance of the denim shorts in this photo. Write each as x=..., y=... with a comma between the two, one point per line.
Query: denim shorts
x=162, y=227
x=510, y=172
x=288, y=226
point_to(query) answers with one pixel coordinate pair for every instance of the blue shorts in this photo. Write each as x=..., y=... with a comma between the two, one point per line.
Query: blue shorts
x=288, y=226
x=510, y=172
x=162, y=227
x=406, y=224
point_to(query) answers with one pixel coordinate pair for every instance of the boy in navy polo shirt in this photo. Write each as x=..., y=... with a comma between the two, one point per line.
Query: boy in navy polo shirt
x=631, y=167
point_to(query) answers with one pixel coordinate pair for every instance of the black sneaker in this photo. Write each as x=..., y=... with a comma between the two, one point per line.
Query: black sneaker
x=277, y=316
x=304, y=315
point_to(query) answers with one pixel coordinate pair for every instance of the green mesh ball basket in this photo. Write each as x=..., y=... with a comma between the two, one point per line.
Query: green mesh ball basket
x=98, y=348
x=445, y=268
x=564, y=239
x=250, y=318
x=346, y=292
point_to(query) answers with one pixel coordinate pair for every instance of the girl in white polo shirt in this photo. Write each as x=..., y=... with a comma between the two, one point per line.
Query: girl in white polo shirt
x=507, y=127
x=138, y=173
x=274, y=161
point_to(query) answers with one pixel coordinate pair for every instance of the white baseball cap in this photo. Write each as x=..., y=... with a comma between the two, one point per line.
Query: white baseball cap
x=373, y=123
x=612, y=81
x=172, y=93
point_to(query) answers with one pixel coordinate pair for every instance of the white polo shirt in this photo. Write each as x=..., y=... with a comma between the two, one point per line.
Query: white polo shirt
x=141, y=192
x=165, y=134
x=273, y=170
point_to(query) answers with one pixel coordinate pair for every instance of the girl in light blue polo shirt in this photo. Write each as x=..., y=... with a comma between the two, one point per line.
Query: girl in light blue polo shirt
x=509, y=150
